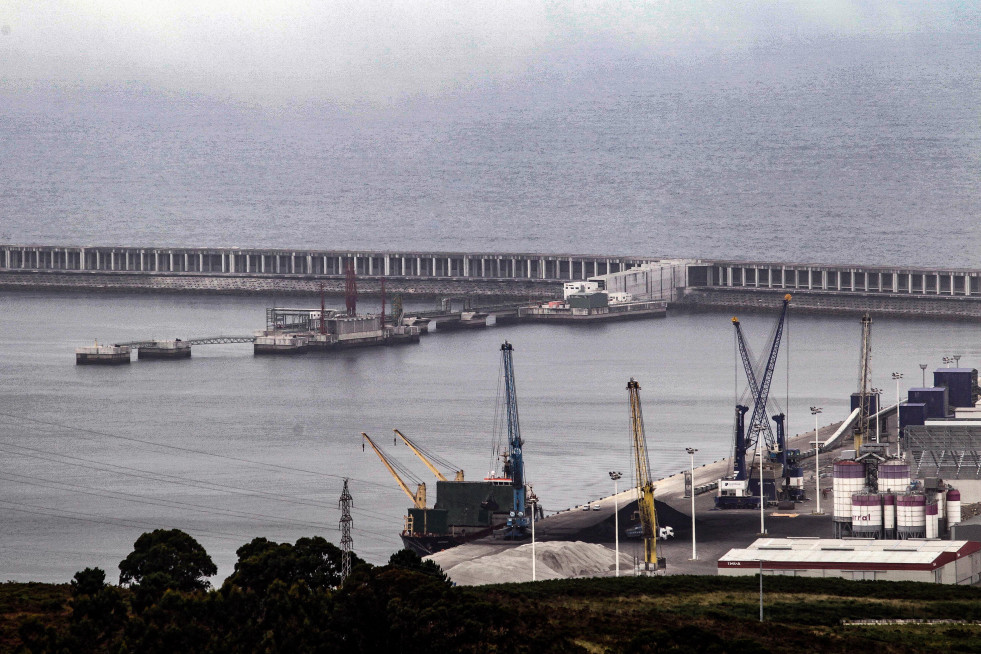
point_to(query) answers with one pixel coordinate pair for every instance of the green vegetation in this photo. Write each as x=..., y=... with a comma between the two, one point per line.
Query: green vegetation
x=286, y=597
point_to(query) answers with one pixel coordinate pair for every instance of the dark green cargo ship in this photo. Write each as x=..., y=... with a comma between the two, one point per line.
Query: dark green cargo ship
x=464, y=511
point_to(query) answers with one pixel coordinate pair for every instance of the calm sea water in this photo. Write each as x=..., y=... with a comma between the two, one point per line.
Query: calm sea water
x=836, y=151
x=862, y=151
x=228, y=446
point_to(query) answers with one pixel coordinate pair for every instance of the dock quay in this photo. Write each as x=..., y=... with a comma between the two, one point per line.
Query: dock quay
x=575, y=532
x=717, y=531
x=687, y=284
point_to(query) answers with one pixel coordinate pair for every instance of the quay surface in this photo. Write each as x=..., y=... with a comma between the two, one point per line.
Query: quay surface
x=717, y=531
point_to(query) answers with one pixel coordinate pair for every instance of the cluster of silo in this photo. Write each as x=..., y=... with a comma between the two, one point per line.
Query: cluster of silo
x=900, y=510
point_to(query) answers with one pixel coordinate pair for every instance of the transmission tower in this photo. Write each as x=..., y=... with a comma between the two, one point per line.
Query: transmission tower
x=345, y=504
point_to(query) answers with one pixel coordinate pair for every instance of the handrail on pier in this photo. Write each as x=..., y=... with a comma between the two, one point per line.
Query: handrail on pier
x=207, y=340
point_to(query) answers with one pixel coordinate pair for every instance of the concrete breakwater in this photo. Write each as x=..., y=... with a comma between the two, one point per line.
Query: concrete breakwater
x=273, y=285
x=686, y=284
x=817, y=302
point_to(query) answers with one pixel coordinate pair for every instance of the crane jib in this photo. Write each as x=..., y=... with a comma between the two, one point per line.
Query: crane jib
x=758, y=418
x=518, y=521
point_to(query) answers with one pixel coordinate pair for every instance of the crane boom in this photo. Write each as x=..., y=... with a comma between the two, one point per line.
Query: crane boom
x=645, y=487
x=759, y=417
x=517, y=521
x=422, y=457
x=864, y=372
x=419, y=497
x=754, y=386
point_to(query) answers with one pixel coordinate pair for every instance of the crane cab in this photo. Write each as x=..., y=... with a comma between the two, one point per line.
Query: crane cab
x=736, y=494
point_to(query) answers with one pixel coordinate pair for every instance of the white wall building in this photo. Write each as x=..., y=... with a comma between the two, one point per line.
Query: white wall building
x=650, y=281
x=575, y=288
x=932, y=561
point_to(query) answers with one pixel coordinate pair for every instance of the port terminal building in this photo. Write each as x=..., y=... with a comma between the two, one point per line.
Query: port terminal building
x=930, y=561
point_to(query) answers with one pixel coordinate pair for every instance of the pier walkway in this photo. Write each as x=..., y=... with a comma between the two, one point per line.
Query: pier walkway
x=207, y=340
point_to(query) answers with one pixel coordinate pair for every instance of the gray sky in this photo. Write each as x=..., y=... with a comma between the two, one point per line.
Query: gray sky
x=355, y=50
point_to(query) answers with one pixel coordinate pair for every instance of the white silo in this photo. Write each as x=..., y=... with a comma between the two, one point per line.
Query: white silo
x=848, y=478
x=931, y=520
x=910, y=516
x=888, y=515
x=893, y=477
x=953, y=507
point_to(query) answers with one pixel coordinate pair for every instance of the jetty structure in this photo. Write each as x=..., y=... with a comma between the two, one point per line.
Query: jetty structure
x=682, y=283
x=105, y=355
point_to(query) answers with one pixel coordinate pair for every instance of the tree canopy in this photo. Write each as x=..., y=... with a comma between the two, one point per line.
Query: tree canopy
x=314, y=561
x=167, y=559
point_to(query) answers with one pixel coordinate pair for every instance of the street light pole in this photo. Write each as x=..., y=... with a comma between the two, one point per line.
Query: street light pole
x=759, y=449
x=533, y=499
x=761, y=590
x=897, y=376
x=878, y=407
x=691, y=453
x=815, y=410
x=615, y=476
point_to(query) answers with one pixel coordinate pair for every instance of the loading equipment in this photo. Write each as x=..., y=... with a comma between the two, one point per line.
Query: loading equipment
x=428, y=457
x=419, y=497
x=645, y=486
x=736, y=492
x=518, y=520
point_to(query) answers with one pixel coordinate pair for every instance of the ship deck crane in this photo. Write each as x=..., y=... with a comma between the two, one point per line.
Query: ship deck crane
x=645, y=487
x=518, y=521
x=428, y=457
x=419, y=497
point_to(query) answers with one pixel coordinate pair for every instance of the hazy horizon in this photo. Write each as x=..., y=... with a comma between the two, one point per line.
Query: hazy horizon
x=348, y=53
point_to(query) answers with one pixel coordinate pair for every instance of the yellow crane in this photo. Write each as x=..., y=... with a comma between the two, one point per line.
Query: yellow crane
x=645, y=487
x=419, y=497
x=864, y=373
x=422, y=457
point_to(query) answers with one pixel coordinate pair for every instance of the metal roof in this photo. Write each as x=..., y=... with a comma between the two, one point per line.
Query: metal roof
x=855, y=554
x=951, y=450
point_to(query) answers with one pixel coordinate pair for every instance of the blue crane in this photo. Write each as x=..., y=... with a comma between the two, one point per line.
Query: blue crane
x=518, y=521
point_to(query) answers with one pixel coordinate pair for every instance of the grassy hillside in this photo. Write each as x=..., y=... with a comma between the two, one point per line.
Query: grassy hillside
x=721, y=614
x=404, y=610
x=38, y=606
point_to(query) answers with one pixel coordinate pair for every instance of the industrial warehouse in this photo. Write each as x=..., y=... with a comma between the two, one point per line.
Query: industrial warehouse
x=931, y=561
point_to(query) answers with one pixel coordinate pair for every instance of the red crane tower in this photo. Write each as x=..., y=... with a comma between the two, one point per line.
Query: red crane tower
x=351, y=291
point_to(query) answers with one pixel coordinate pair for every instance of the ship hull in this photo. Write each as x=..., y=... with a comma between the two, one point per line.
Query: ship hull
x=426, y=544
